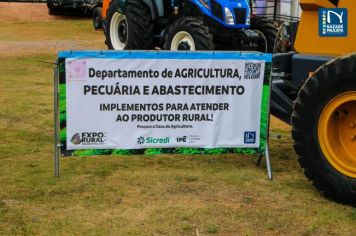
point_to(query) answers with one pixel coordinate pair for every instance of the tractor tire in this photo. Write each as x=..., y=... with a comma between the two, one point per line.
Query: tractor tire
x=188, y=34
x=130, y=30
x=97, y=18
x=324, y=129
x=268, y=29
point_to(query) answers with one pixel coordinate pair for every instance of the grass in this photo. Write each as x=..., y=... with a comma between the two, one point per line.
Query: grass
x=142, y=195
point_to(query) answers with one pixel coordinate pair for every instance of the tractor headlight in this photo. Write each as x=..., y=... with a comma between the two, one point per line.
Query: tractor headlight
x=229, y=18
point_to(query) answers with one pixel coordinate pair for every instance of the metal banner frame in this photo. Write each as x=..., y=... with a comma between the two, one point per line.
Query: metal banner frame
x=57, y=143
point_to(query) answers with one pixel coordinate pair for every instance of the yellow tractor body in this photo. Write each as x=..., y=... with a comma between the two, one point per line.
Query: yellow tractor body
x=317, y=95
x=308, y=40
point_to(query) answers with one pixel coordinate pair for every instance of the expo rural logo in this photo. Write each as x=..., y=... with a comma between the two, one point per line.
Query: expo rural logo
x=88, y=138
x=149, y=140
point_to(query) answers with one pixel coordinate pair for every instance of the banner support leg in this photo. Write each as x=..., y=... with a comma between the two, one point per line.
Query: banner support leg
x=56, y=125
x=267, y=156
x=268, y=162
x=56, y=162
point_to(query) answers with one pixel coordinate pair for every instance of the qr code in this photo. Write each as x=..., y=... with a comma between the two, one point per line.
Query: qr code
x=252, y=70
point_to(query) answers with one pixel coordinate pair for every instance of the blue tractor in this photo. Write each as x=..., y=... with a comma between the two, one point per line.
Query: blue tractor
x=186, y=25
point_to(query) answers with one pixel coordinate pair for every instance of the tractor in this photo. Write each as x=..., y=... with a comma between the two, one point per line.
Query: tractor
x=58, y=7
x=186, y=25
x=314, y=90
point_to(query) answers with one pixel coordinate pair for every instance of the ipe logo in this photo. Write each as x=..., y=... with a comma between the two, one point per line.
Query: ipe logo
x=333, y=22
x=182, y=139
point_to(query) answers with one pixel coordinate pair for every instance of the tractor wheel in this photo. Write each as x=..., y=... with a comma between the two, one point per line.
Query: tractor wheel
x=268, y=31
x=130, y=30
x=324, y=129
x=97, y=19
x=188, y=34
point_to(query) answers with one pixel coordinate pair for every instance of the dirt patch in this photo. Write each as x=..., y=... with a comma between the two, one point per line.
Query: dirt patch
x=24, y=11
x=27, y=29
x=27, y=12
x=11, y=48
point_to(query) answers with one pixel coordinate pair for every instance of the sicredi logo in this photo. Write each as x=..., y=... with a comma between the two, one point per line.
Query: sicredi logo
x=250, y=137
x=140, y=140
x=151, y=140
x=333, y=22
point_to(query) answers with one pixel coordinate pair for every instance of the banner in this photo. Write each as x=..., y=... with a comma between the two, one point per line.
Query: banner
x=150, y=102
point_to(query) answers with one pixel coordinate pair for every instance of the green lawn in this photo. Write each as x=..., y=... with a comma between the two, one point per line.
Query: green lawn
x=140, y=195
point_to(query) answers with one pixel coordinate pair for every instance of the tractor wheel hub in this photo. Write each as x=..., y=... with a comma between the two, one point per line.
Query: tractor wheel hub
x=337, y=133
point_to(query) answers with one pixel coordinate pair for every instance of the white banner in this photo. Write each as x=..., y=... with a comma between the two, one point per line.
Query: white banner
x=144, y=103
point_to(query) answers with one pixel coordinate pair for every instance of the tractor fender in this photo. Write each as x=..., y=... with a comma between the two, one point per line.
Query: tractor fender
x=155, y=6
